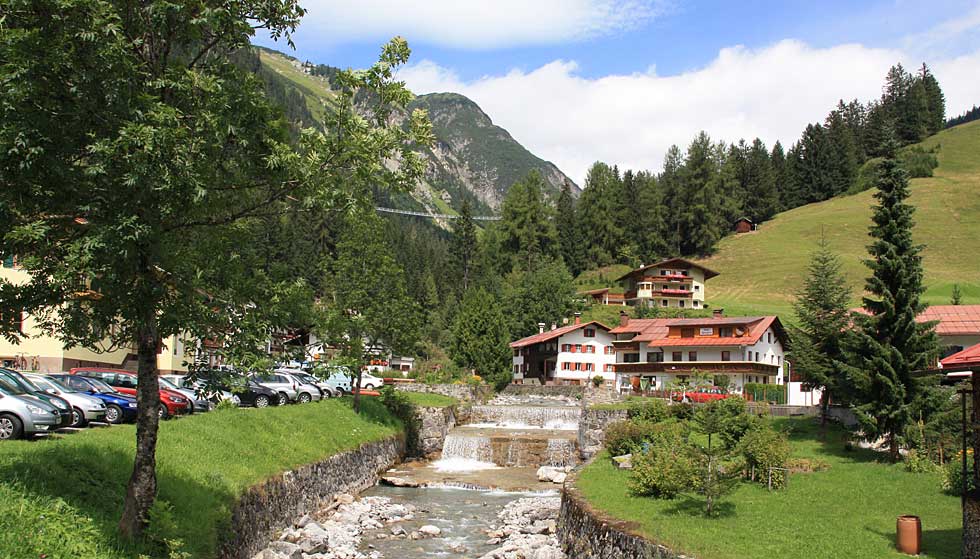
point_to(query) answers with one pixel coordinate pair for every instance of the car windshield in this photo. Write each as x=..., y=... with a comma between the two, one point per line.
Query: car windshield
x=100, y=386
x=15, y=385
x=164, y=383
x=46, y=383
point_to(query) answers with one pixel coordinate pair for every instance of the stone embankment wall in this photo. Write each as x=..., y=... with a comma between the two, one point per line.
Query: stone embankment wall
x=435, y=424
x=462, y=392
x=272, y=505
x=568, y=391
x=585, y=533
x=592, y=429
x=603, y=394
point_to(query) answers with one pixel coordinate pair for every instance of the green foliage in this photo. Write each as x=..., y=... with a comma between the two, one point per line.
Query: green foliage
x=648, y=409
x=402, y=406
x=682, y=410
x=480, y=336
x=625, y=437
x=952, y=474
x=545, y=294
x=957, y=297
x=762, y=448
x=772, y=393
x=918, y=462
x=918, y=162
x=529, y=233
x=667, y=468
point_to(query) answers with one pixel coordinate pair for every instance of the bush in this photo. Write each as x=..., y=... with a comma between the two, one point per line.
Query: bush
x=736, y=420
x=668, y=467
x=952, y=482
x=401, y=406
x=626, y=437
x=918, y=462
x=682, y=411
x=763, y=448
x=758, y=392
x=917, y=162
x=648, y=409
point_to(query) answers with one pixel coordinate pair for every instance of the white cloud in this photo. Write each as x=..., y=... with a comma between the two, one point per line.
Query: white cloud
x=631, y=120
x=474, y=24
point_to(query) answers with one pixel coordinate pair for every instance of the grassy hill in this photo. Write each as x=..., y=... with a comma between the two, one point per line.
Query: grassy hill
x=761, y=271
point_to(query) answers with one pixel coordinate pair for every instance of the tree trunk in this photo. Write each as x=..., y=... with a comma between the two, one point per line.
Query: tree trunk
x=824, y=412
x=971, y=501
x=142, y=488
x=356, y=390
x=893, y=447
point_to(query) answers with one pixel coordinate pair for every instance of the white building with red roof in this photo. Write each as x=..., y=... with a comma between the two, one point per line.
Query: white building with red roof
x=958, y=326
x=673, y=283
x=661, y=351
x=572, y=354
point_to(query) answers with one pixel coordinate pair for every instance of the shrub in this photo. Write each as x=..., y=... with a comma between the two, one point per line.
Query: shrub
x=918, y=462
x=625, y=437
x=682, y=411
x=736, y=421
x=758, y=392
x=668, y=467
x=807, y=465
x=648, y=409
x=918, y=162
x=952, y=482
x=763, y=448
x=400, y=406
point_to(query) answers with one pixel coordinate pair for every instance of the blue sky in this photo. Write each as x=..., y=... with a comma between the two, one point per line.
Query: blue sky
x=570, y=78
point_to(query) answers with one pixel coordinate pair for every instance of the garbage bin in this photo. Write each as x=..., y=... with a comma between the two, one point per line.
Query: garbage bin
x=908, y=534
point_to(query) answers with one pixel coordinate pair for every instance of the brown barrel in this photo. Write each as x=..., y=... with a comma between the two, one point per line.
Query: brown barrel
x=908, y=534
x=635, y=382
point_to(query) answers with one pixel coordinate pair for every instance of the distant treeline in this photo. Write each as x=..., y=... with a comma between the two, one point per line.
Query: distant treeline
x=638, y=216
x=968, y=116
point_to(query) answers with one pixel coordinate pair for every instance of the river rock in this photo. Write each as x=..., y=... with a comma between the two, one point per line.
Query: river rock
x=430, y=530
x=399, y=482
x=624, y=462
x=550, y=473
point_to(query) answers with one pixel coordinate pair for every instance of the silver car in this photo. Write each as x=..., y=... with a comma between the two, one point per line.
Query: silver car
x=327, y=389
x=84, y=408
x=286, y=386
x=24, y=415
x=200, y=404
x=196, y=388
x=305, y=391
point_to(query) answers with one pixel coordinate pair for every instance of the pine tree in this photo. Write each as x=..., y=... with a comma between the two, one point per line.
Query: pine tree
x=889, y=344
x=569, y=234
x=822, y=311
x=528, y=227
x=700, y=223
x=464, y=242
x=599, y=214
x=780, y=175
x=843, y=157
x=480, y=337
x=670, y=184
x=815, y=175
x=761, y=197
x=935, y=100
x=651, y=227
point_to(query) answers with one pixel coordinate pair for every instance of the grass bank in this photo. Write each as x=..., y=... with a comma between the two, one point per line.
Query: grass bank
x=61, y=497
x=427, y=400
x=848, y=510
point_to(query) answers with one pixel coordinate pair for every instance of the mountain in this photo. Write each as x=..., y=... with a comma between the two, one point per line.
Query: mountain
x=472, y=158
x=761, y=271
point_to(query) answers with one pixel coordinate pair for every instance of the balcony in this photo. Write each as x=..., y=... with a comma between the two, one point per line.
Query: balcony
x=668, y=277
x=675, y=292
x=689, y=367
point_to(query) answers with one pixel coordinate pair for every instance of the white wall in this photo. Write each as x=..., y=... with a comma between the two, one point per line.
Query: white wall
x=598, y=359
x=797, y=397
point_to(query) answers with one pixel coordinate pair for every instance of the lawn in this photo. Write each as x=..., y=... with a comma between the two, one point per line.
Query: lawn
x=846, y=511
x=61, y=497
x=428, y=400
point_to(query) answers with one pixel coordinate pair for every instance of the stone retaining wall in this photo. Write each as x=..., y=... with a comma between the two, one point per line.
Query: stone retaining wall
x=272, y=505
x=585, y=533
x=570, y=391
x=592, y=429
x=463, y=392
x=435, y=424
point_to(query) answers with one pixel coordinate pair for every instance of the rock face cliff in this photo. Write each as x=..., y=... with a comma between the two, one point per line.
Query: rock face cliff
x=472, y=158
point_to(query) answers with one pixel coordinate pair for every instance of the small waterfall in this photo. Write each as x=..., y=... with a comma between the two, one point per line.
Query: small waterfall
x=562, y=452
x=462, y=453
x=528, y=417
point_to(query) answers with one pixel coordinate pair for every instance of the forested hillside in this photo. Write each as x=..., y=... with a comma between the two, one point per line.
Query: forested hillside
x=472, y=159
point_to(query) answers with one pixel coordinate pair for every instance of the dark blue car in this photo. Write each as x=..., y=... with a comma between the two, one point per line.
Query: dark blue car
x=119, y=407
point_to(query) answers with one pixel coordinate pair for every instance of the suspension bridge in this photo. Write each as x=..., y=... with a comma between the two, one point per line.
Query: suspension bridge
x=436, y=216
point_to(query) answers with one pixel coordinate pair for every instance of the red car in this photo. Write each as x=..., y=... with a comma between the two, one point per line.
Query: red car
x=701, y=395
x=174, y=403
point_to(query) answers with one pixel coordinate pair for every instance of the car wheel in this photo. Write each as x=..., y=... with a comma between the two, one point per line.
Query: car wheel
x=77, y=418
x=113, y=414
x=261, y=401
x=283, y=399
x=305, y=398
x=10, y=428
x=368, y=387
x=163, y=412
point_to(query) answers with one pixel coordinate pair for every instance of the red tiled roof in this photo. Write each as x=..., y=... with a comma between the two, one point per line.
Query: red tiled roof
x=639, y=325
x=952, y=320
x=757, y=326
x=594, y=291
x=968, y=357
x=552, y=334
x=708, y=273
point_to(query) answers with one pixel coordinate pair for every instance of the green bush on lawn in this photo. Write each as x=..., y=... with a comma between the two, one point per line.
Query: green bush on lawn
x=61, y=498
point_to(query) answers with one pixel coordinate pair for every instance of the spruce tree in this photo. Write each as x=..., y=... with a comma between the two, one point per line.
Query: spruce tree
x=935, y=100
x=780, y=175
x=888, y=344
x=599, y=214
x=650, y=229
x=843, y=151
x=464, y=242
x=762, y=196
x=480, y=337
x=822, y=311
x=670, y=184
x=569, y=234
x=529, y=233
x=700, y=223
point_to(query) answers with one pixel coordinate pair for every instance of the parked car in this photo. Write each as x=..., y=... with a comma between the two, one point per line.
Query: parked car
x=119, y=408
x=371, y=382
x=284, y=385
x=24, y=415
x=174, y=403
x=254, y=394
x=200, y=404
x=701, y=395
x=84, y=408
x=199, y=388
x=16, y=381
x=341, y=382
x=327, y=389
x=306, y=391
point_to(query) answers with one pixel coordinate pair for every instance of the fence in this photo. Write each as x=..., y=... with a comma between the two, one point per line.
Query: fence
x=769, y=393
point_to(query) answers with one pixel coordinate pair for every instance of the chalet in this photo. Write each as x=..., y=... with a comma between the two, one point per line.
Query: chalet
x=602, y=297
x=658, y=352
x=572, y=354
x=960, y=365
x=958, y=326
x=675, y=283
x=744, y=225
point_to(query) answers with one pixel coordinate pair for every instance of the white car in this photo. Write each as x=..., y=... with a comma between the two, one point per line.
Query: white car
x=371, y=382
x=84, y=408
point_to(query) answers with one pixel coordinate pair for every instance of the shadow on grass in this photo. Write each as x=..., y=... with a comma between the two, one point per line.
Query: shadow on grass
x=692, y=506
x=936, y=544
x=92, y=478
x=832, y=439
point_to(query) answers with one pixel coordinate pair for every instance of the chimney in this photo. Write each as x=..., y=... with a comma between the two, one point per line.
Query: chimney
x=578, y=318
x=554, y=326
x=541, y=328
x=624, y=318
x=564, y=321
x=717, y=313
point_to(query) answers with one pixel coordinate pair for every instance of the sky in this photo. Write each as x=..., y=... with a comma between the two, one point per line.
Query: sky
x=579, y=81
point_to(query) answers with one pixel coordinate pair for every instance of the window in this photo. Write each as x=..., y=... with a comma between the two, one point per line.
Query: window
x=517, y=352
x=608, y=350
x=663, y=272
x=757, y=356
x=578, y=348
x=692, y=356
x=687, y=332
x=680, y=304
x=726, y=356
x=607, y=368
x=655, y=357
x=590, y=332
x=663, y=302
x=725, y=332
x=631, y=358
x=8, y=261
x=695, y=304
x=779, y=360
x=590, y=366
x=517, y=369
x=676, y=356
x=697, y=288
x=769, y=337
